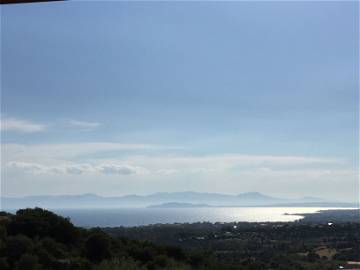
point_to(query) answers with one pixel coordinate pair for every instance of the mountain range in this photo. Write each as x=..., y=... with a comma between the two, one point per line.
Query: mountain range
x=191, y=198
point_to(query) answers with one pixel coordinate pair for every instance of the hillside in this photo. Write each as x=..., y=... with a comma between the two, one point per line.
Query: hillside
x=37, y=239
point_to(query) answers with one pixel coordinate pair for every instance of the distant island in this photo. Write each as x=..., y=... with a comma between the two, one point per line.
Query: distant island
x=167, y=199
x=178, y=205
x=194, y=205
x=331, y=216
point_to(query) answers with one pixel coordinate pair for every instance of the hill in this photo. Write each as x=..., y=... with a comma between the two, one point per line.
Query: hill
x=178, y=205
x=37, y=239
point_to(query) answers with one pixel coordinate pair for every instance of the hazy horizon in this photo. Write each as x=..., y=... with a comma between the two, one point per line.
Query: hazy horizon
x=326, y=199
x=118, y=98
x=152, y=193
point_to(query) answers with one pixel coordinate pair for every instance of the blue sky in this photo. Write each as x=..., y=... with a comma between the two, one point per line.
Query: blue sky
x=138, y=97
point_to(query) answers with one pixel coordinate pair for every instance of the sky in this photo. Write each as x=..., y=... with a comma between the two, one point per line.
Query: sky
x=117, y=98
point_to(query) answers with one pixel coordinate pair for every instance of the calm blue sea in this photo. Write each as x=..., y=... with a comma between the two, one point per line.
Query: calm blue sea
x=146, y=216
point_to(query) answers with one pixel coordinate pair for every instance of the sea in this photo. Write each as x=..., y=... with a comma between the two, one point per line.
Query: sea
x=128, y=217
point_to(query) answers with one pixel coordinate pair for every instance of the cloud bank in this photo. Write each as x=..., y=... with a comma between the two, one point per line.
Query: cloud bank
x=75, y=169
x=18, y=125
x=117, y=168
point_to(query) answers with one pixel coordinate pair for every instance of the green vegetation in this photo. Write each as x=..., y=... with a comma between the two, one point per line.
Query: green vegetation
x=312, y=243
x=37, y=239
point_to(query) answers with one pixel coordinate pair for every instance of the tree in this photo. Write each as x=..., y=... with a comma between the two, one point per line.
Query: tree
x=80, y=263
x=312, y=256
x=176, y=253
x=28, y=262
x=117, y=264
x=17, y=246
x=41, y=223
x=4, y=264
x=97, y=247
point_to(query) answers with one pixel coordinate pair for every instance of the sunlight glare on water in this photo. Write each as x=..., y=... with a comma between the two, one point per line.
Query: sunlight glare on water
x=263, y=214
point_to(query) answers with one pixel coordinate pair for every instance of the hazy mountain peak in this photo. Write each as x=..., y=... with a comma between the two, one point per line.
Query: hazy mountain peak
x=90, y=195
x=90, y=200
x=254, y=195
x=251, y=193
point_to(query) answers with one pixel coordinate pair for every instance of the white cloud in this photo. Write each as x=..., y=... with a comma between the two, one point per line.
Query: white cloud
x=302, y=174
x=77, y=169
x=218, y=163
x=53, y=154
x=27, y=167
x=74, y=169
x=84, y=124
x=67, y=151
x=149, y=173
x=167, y=171
x=12, y=124
x=111, y=169
x=94, y=162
